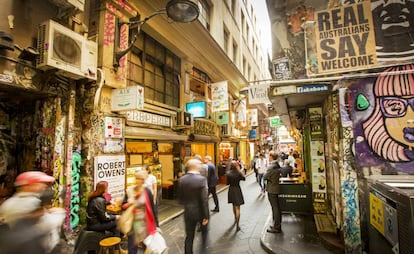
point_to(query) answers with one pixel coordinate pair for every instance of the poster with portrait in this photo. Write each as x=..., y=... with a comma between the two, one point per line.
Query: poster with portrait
x=281, y=69
x=318, y=166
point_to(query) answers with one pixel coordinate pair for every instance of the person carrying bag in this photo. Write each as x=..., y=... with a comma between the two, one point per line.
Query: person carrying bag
x=141, y=227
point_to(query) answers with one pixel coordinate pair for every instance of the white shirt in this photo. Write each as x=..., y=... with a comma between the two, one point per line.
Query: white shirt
x=261, y=165
x=151, y=179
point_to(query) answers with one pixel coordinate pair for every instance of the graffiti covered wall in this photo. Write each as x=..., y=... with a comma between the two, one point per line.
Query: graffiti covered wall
x=382, y=110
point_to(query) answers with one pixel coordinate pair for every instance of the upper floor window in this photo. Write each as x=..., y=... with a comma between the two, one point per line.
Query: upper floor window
x=157, y=69
x=204, y=16
x=226, y=37
x=235, y=52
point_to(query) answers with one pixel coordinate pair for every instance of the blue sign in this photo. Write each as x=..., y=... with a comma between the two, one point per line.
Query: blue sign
x=312, y=88
x=252, y=134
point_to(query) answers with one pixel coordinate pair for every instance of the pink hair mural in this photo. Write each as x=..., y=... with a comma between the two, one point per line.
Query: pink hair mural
x=389, y=129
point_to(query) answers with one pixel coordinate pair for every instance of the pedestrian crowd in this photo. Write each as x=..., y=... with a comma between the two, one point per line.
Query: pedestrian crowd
x=26, y=219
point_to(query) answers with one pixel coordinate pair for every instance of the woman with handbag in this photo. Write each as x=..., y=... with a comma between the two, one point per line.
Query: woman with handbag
x=144, y=222
x=97, y=217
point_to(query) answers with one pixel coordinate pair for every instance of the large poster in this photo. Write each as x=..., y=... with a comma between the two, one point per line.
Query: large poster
x=220, y=96
x=111, y=168
x=345, y=38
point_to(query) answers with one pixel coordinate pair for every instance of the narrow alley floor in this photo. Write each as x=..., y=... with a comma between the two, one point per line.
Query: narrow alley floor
x=299, y=232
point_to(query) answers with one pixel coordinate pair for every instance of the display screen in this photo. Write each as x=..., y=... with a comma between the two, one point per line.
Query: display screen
x=197, y=109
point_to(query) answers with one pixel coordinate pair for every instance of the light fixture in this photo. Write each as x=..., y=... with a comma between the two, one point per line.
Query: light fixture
x=183, y=11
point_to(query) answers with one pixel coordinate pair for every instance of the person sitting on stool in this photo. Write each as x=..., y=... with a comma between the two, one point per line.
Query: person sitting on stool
x=97, y=217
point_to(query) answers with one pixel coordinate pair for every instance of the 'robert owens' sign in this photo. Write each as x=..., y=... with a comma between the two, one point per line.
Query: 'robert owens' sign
x=345, y=38
x=112, y=169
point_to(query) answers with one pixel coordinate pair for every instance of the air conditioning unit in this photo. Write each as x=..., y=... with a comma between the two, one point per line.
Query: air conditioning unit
x=226, y=130
x=184, y=119
x=69, y=52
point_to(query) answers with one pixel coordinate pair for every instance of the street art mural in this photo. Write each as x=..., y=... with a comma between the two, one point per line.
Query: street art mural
x=394, y=29
x=382, y=110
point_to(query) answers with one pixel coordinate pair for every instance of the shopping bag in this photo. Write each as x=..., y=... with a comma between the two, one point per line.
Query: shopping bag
x=155, y=244
x=126, y=219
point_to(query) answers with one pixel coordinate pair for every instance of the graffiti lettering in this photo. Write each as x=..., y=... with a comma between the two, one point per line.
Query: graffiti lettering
x=74, y=197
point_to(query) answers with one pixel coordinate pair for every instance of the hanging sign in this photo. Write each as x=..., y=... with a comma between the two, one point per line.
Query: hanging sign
x=258, y=94
x=252, y=117
x=222, y=117
x=220, y=96
x=129, y=98
x=275, y=121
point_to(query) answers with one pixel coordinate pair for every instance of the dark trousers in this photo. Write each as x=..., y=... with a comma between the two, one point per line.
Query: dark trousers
x=106, y=226
x=277, y=215
x=213, y=192
x=190, y=228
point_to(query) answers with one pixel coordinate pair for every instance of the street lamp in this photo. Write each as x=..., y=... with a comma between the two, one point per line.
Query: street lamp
x=183, y=11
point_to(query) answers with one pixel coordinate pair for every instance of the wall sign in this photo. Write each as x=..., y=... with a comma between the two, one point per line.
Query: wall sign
x=112, y=169
x=129, y=98
x=345, y=38
x=149, y=118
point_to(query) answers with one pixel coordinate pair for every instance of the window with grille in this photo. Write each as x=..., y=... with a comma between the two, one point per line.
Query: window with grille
x=157, y=69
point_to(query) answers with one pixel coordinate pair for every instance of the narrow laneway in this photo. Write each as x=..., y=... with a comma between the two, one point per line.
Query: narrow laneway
x=223, y=237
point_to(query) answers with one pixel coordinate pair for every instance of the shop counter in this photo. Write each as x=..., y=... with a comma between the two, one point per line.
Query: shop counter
x=295, y=197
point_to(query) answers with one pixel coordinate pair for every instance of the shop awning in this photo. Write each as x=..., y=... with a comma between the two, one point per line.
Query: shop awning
x=153, y=134
x=203, y=138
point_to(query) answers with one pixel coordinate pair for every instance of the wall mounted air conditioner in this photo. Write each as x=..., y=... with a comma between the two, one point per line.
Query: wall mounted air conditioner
x=69, y=52
x=184, y=119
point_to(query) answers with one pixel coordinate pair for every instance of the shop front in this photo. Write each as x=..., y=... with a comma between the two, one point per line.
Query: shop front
x=159, y=148
x=203, y=139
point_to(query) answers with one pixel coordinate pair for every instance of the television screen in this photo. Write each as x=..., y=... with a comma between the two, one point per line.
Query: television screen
x=197, y=109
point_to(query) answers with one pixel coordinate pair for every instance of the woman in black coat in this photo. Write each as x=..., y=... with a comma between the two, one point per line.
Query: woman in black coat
x=97, y=217
x=235, y=195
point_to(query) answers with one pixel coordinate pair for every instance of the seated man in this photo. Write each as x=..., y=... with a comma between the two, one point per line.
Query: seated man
x=286, y=169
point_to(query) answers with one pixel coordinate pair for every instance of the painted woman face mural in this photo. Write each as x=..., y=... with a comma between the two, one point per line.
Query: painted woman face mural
x=389, y=130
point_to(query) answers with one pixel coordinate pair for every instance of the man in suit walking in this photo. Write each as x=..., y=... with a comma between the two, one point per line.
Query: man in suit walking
x=212, y=181
x=273, y=189
x=193, y=195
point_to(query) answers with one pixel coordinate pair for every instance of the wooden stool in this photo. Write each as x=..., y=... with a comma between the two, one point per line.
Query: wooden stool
x=108, y=244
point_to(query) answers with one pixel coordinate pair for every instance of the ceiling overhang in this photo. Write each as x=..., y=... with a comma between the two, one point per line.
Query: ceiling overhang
x=194, y=43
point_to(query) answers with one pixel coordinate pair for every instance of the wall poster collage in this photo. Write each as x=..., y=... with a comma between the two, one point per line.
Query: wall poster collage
x=317, y=155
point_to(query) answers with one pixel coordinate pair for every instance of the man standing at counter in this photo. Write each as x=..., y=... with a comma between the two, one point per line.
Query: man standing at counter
x=272, y=187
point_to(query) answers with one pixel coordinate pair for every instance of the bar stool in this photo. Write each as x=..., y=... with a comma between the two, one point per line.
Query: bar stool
x=109, y=244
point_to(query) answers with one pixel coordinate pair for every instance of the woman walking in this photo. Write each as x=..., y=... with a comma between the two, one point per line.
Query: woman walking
x=145, y=222
x=235, y=195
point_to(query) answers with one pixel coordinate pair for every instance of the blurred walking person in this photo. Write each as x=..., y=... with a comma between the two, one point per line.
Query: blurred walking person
x=31, y=226
x=192, y=193
x=212, y=181
x=235, y=195
x=261, y=166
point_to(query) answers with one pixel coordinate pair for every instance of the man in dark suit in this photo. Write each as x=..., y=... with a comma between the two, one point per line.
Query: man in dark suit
x=212, y=181
x=273, y=189
x=193, y=195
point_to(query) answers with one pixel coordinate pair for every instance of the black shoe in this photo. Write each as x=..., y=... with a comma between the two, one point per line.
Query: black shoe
x=273, y=230
x=215, y=210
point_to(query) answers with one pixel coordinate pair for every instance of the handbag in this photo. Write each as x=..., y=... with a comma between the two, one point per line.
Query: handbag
x=124, y=223
x=155, y=244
